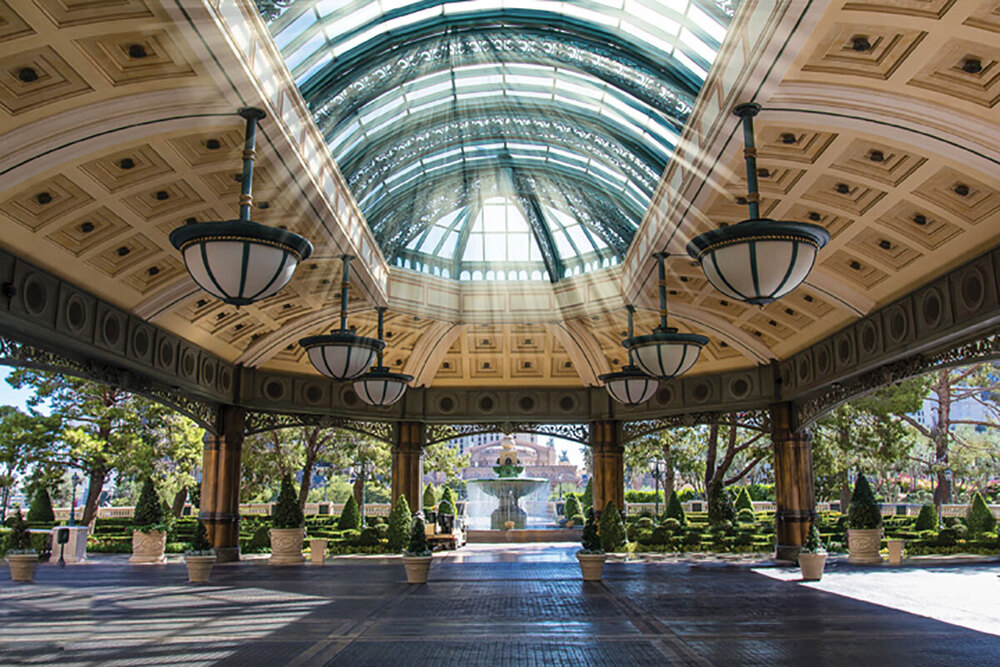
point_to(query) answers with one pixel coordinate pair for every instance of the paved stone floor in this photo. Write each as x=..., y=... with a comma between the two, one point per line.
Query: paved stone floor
x=491, y=605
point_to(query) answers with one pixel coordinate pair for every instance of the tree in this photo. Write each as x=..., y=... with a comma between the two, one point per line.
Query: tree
x=41, y=508
x=864, y=512
x=746, y=445
x=613, y=536
x=591, y=540
x=148, y=514
x=105, y=429
x=350, y=518
x=287, y=513
x=444, y=457
x=399, y=524
x=418, y=538
x=25, y=439
x=979, y=519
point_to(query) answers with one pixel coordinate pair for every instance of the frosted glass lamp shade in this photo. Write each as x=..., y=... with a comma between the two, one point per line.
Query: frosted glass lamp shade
x=237, y=261
x=630, y=386
x=758, y=261
x=342, y=355
x=665, y=353
x=381, y=387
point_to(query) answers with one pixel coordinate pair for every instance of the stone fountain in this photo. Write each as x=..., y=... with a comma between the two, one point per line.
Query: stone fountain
x=508, y=487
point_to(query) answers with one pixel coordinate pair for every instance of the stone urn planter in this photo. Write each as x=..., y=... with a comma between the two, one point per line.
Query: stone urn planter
x=591, y=566
x=417, y=568
x=199, y=567
x=286, y=546
x=22, y=566
x=812, y=566
x=317, y=551
x=863, y=546
x=148, y=547
x=895, y=551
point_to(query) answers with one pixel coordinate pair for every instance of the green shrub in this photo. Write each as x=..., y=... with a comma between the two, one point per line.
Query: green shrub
x=686, y=495
x=399, y=524
x=863, y=513
x=19, y=539
x=692, y=538
x=588, y=495
x=370, y=537
x=430, y=498
x=572, y=506
x=675, y=510
x=148, y=511
x=41, y=508
x=350, y=518
x=287, y=513
x=418, y=538
x=743, y=501
x=591, y=541
x=578, y=519
x=979, y=518
x=744, y=540
x=448, y=495
x=612, y=530
x=446, y=507
x=200, y=542
x=927, y=519
x=673, y=525
x=645, y=523
x=746, y=516
x=947, y=537
x=814, y=542
x=720, y=507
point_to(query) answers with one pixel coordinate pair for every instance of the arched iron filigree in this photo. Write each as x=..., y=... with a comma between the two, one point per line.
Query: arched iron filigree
x=756, y=420
x=203, y=412
x=257, y=421
x=436, y=433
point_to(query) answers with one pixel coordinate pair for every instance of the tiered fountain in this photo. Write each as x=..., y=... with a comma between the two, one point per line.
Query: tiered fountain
x=508, y=487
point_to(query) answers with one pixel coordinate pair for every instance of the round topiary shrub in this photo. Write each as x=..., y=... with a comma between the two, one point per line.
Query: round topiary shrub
x=350, y=518
x=864, y=512
x=673, y=525
x=928, y=518
x=979, y=518
x=644, y=523
x=287, y=513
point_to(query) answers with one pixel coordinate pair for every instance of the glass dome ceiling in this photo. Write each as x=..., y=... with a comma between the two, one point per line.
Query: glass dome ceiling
x=500, y=139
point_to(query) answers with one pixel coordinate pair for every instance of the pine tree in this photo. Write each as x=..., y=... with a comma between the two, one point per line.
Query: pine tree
x=613, y=535
x=350, y=518
x=743, y=500
x=928, y=518
x=418, y=538
x=287, y=513
x=979, y=519
x=430, y=499
x=675, y=510
x=864, y=512
x=814, y=542
x=148, y=511
x=399, y=524
x=41, y=507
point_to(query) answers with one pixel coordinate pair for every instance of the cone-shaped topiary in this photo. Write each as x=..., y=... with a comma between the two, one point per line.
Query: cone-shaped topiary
x=350, y=518
x=148, y=511
x=591, y=541
x=743, y=500
x=399, y=525
x=418, y=538
x=613, y=535
x=445, y=507
x=928, y=518
x=588, y=495
x=675, y=510
x=200, y=544
x=814, y=542
x=287, y=513
x=19, y=540
x=430, y=498
x=40, y=510
x=979, y=519
x=449, y=495
x=572, y=506
x=863, y=513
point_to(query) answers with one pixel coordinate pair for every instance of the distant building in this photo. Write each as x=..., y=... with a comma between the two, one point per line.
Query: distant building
x=965, y=409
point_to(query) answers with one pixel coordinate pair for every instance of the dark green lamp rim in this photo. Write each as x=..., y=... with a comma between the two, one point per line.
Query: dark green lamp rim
x=384, y=373
x=661, y=336
x=342, y=338
x=241, y=230
x=761, y=229
x=630, y=372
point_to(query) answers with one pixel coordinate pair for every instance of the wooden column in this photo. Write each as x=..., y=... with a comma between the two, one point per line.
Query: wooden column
x=609, y=467
x=794, y=494
x=220, y=485
x=407, y=467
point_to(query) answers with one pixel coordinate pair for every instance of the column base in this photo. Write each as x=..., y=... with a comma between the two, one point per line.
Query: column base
x=787, y=552
x=227, y=554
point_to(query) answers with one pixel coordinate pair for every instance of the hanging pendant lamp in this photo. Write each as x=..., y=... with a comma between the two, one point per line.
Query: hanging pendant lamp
x=665, y=353
x=380, y=386
x=342, y=355
x=758, y=260
x=240, y=261
x=630, y=386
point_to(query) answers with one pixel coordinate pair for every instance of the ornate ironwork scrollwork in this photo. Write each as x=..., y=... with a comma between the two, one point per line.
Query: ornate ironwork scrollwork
x=757, y=420
x=443, y=432
x=257, y=421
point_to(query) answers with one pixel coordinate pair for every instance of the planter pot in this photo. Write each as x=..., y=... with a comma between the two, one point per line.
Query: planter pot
x=199, y=568
x=317, y=551
x=22, y=566
x=286, y=546
x=812, y=566
x=416, y=568
x=148, y=547
x=591, y=566
x=863, y=545
x=895, y=551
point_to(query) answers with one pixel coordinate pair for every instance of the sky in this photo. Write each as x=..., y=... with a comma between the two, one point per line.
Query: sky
x=10, y=396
